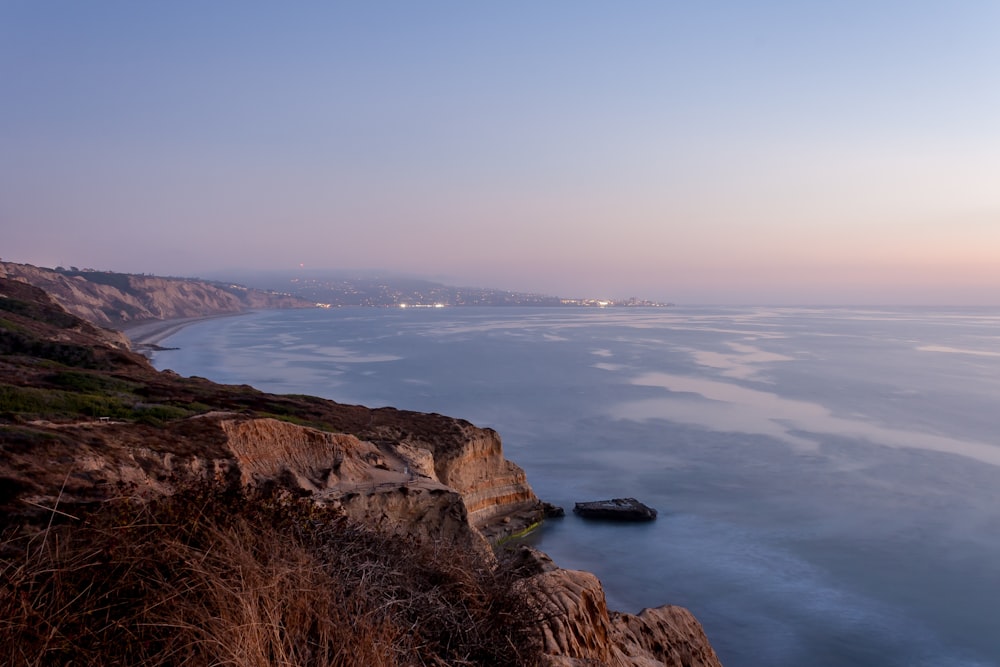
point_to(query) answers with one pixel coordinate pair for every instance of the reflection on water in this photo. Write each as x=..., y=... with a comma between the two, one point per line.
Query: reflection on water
x=955, y=350
x=744, y=362
x=725, y=406
x=820, y=474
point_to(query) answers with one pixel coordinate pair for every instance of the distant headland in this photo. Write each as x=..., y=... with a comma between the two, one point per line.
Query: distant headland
x=121, y=298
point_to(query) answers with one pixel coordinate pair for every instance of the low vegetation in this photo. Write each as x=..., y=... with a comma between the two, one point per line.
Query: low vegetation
x=34, y=403
x=221, y=576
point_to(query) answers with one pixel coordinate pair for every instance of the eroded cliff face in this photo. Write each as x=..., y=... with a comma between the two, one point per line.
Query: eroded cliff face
x=578, y=630
x=115, y=299
x=460, y=458
x=423, y=475
x=495, y=490
x=391, y=486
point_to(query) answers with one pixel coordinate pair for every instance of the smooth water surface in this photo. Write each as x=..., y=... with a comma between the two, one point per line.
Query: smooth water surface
x=828, y=480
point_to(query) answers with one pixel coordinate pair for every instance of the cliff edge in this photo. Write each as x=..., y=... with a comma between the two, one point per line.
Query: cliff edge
x=82, y=418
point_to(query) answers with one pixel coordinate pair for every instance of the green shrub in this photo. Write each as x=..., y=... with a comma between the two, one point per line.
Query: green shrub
x=11, y=326
x=18, y=343
x=35, y=403
x=161, y=412
x=91, y=382
x=54, y=403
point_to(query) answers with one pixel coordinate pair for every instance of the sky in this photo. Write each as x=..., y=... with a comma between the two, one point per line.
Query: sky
x=769, y=152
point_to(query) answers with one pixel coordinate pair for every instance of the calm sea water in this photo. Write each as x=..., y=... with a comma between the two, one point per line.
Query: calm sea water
x=828, y=480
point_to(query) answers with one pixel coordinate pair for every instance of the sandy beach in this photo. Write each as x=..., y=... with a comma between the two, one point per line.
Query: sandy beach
x=148, y=333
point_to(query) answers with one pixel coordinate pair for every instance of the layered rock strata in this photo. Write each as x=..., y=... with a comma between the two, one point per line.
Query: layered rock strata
x=495, y=490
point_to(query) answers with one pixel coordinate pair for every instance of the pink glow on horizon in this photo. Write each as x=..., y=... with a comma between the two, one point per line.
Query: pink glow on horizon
x=746, y=155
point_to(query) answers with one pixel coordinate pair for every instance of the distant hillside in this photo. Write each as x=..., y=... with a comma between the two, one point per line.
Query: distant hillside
x=338, y=288
x=115, y=299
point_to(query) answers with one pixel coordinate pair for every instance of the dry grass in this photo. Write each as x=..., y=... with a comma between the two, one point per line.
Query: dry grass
x=219, y=577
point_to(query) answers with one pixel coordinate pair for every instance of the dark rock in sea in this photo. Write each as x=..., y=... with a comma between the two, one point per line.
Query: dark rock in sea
x=616, y=509
x=552, y=511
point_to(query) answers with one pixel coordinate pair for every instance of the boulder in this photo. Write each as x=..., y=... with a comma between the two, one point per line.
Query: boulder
x=616, y=509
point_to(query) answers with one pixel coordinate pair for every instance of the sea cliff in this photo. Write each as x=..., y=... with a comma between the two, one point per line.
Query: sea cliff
x=83, y=418
x=117, y=299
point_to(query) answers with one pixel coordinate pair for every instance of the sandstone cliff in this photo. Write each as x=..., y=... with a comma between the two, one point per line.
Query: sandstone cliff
x=82, y=419
x=116, y=299
x=578, y=630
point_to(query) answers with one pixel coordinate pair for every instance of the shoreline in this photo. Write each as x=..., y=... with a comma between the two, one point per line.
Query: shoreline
x=147, y=334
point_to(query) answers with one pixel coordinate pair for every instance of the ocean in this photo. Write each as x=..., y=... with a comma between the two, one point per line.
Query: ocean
x=828, y=479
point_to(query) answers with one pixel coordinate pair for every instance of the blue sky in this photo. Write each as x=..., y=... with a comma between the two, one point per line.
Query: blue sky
x=768, y=152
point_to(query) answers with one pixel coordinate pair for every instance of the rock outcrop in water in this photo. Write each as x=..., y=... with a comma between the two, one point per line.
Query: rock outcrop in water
x=616, y=509
x=82, y=417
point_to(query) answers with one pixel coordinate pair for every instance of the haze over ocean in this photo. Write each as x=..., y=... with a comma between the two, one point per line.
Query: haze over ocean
x=828, y=479
x=729, y=152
